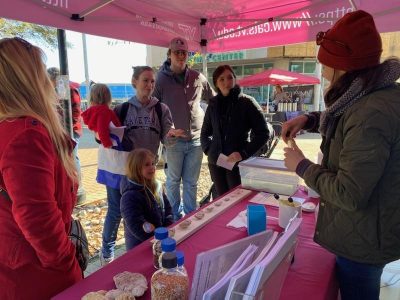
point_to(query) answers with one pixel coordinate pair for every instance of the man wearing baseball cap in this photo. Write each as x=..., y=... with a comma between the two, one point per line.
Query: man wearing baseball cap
x=182, y=89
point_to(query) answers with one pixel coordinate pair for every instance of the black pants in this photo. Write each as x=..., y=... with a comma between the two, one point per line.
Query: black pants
x=223, y=179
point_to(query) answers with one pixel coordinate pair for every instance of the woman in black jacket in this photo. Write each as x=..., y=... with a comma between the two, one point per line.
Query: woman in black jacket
x=233, y=126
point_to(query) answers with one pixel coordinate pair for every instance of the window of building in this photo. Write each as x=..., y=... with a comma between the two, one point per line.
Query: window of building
x=296, y=66
x=238, y=70
x=252, y=69
x=306, y=67
x=210, y=72
x=268, y=66
x=309, y=67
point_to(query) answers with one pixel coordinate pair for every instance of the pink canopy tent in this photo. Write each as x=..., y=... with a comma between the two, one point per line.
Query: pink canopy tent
x=217, y=25
x=277, y=76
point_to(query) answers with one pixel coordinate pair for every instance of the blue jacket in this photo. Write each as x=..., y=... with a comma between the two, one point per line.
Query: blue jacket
x=138, y=205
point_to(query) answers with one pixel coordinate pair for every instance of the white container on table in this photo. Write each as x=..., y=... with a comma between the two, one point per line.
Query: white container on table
x=268, y=175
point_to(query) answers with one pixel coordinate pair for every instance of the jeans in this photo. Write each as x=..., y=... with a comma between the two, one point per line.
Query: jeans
x=358, y=281
x=111, y=222
x=184, y=162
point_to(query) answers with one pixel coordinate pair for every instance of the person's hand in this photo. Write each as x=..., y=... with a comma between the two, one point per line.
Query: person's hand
x=293, y=155
x=176, y=133
x=292, y=127
x=148, y=227
x=234, y=157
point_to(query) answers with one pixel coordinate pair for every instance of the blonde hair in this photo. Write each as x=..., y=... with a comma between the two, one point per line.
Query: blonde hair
x=100, y=94
x=26, y=90
x=136, y=160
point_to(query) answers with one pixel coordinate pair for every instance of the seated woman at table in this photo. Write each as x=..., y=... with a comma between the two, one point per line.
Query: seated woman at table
x=38, y=180
x=230, y=118
x=359, y=177
x=144, y=205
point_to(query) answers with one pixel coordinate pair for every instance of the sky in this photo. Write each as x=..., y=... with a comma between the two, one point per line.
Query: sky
x=109, y=60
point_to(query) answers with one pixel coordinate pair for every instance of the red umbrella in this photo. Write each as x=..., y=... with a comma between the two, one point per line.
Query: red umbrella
x=277, y=76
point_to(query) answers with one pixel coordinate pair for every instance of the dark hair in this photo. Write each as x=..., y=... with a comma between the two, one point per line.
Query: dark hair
x=218, y=71
x=139, y=70
x=369, y=77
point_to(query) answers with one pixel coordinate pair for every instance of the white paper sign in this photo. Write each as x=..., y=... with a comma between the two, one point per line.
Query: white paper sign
x=223, y=162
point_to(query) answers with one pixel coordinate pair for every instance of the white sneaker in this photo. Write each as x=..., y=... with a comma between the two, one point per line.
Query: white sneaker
x=105, y=260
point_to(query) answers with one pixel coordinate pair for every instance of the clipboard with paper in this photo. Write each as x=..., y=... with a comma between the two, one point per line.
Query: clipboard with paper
x=269, y=274
x=212, y=265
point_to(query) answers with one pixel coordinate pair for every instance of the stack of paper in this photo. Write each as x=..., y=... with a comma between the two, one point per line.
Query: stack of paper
x=212, y=265
x=239, y=282
x=218, y=290
x=269, y=274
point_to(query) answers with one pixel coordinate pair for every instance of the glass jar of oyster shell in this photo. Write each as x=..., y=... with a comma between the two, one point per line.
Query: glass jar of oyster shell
x=159, y=234
x=169, y=283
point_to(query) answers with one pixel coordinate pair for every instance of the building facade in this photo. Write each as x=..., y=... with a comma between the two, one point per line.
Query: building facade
x=299, y=58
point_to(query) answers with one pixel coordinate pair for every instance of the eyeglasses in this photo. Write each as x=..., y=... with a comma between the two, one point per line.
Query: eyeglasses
x=321, y=37
x=180, y=52
x=26, y=44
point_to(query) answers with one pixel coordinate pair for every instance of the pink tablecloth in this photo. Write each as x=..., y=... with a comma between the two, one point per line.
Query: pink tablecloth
x=311, y=276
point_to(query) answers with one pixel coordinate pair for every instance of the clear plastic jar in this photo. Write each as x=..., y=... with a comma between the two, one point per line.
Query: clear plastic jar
x=160, y=234
x=169, y=282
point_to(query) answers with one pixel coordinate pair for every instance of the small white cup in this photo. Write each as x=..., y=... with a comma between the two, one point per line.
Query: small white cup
x=286, y=212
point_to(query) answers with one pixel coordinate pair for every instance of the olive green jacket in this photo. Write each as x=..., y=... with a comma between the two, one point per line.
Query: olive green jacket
x=359, y=181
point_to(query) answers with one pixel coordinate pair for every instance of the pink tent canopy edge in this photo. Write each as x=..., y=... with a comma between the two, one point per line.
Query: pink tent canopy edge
x=229, y=25
x=277, y=76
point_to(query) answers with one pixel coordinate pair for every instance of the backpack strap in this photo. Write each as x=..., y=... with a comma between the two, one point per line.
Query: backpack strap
x=158, y=109
x=123, y=112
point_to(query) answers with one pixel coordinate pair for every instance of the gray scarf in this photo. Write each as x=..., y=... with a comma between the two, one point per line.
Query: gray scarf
x=356, y=92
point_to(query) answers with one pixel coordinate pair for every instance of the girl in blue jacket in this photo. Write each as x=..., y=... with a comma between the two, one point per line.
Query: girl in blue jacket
x=144, y=205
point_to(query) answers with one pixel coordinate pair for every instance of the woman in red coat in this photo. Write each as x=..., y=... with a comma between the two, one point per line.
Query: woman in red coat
x=37, y=259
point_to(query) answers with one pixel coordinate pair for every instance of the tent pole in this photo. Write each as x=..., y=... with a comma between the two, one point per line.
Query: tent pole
x=203, y=44
x=95, y=7
x=268, y=91
x=63, y=82
x=353, y=6
x=86, y=65
x=204, y=59
x=317, y=88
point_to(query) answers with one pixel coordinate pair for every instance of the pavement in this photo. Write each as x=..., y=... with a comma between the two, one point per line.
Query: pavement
x=87, y=152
